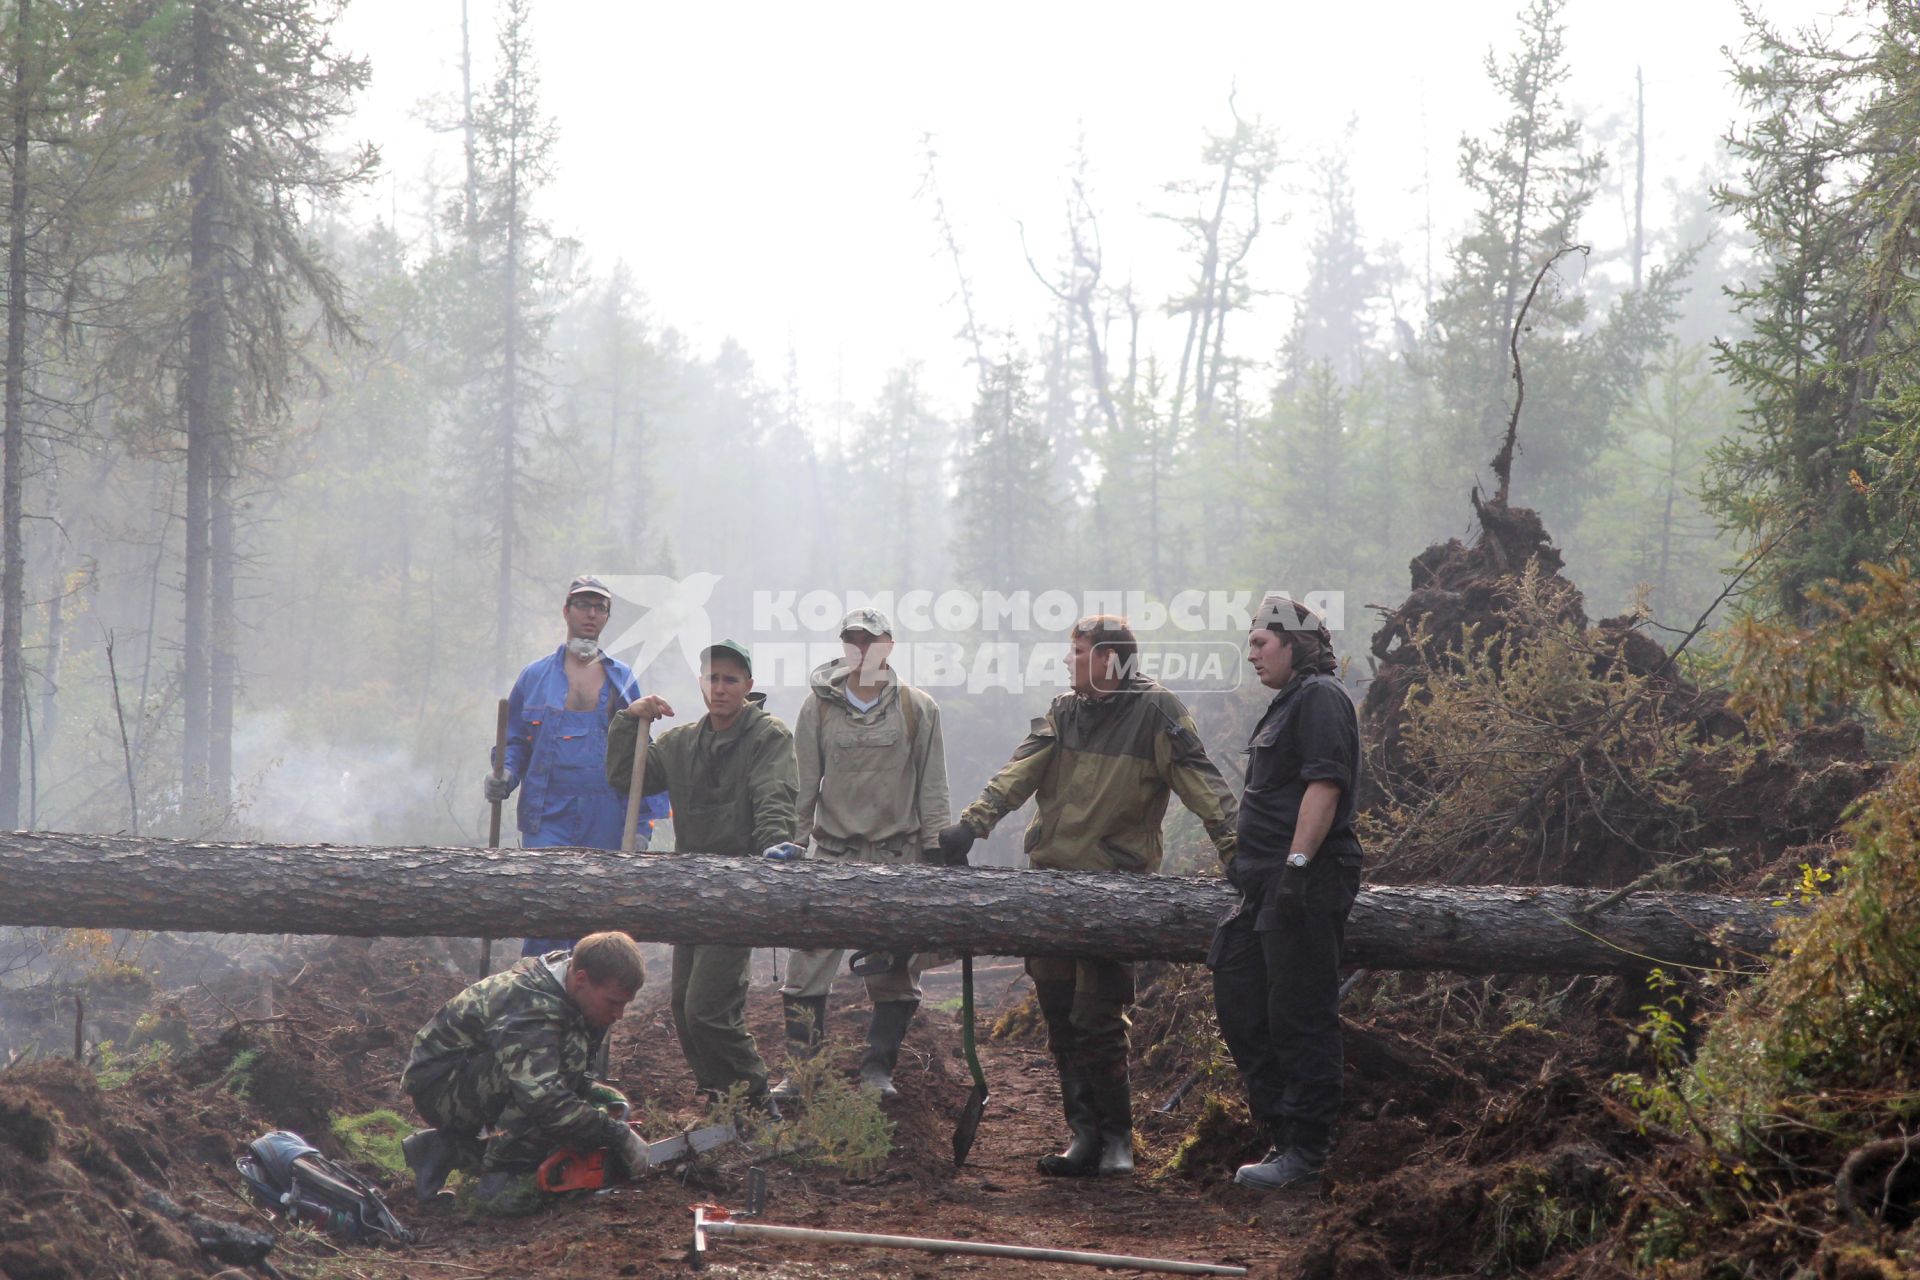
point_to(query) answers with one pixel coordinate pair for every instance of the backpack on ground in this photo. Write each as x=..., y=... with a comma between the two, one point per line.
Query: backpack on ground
x=287, y=1175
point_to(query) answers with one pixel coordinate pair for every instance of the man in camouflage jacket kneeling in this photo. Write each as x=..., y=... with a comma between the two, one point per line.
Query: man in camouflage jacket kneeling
x=512, y=1053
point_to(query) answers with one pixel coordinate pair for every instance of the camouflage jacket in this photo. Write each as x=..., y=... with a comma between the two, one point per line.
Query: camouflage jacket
x=1101, y=771
x=732, y=791
x=539, y=1040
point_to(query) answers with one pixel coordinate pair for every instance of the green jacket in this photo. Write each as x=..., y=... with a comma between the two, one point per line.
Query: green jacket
x=538, y=1038
x=1101, y=771
x=732, y=792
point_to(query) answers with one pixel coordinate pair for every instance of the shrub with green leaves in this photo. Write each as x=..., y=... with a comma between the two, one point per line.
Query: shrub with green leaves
x=1824, y=1045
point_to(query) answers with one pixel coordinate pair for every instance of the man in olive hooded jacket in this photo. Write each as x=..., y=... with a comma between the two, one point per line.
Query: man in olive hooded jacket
x=730, y=780
x=1100, y=765
x=873, y=789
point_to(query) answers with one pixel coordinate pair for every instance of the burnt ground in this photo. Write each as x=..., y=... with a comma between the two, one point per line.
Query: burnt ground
x=1480, y=1138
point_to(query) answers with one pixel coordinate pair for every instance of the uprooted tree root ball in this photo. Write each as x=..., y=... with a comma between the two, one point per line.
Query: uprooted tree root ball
x=1513, y=742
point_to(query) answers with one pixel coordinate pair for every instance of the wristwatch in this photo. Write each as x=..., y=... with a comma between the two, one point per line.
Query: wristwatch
x=1298, y=861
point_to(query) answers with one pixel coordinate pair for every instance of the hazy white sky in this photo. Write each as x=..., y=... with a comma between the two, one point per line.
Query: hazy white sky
x=756, y=164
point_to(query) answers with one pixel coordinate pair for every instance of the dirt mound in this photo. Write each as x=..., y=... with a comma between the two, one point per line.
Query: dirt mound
x=79, y=1186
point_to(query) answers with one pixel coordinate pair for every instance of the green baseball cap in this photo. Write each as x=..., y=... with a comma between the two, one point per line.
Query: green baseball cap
x=728, y=649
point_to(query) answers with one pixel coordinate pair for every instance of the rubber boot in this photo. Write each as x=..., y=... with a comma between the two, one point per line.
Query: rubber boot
x=1113, y=1104
x=1304, y=1146
x=885, y=1031
x=432, y=1154
x=1081, y=1159
x=806, y=1032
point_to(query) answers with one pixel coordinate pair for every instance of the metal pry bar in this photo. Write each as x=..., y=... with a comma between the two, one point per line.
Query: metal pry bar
x=712, y=1220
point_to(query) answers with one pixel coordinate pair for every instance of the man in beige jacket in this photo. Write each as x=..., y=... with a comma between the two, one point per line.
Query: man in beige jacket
x=873, y=788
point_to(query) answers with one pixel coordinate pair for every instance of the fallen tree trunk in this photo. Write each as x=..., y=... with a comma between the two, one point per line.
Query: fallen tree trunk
x=101, y=882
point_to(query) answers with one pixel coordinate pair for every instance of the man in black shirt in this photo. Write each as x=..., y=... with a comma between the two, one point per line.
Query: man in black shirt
x=1276, y=956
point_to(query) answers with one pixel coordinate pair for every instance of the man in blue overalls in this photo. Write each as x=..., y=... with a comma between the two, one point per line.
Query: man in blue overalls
x=557, y=721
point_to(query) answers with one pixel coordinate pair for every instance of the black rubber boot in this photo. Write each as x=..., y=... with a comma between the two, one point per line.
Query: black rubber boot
x=1113, y=1104
x=806, y=1032
x=433, y=1154
x=884, y=1033
x=1081, y=1159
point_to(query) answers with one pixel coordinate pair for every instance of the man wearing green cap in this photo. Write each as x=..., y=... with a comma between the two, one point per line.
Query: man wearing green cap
x=730, y=779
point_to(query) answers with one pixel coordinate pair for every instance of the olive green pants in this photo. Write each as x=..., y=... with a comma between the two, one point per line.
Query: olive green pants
x=1085, y=1004
x=709, y=1012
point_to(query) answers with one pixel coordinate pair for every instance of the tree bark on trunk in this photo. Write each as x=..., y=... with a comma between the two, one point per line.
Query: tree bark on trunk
x=509, y=429
x=222, y=661
x=49, y=731
x=13, y=557
x=203, y=340
x=122, y=882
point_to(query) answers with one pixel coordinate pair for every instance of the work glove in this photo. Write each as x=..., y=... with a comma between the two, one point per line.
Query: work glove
x=1234, y=874
x=630, y=1151
x=785, y=851
x=955, y=841
x=501, y=787
x=609, y=1100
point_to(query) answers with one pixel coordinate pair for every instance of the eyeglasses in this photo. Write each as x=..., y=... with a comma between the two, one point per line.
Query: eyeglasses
x=588, y=604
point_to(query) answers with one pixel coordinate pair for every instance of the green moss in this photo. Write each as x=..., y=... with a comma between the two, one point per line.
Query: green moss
x=373, y=1138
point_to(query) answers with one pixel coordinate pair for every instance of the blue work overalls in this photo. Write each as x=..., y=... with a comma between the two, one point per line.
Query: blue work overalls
x=560, y=757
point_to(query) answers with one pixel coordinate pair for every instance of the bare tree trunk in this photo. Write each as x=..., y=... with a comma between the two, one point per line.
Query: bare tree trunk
x=86, y=881
x=13, y=574
x=470, y=208
x=1202, y=307
x=56, y=624
x=1639, y=173
x=930, y=184
x=204, y=290
x=509, y=423
x=222, y=673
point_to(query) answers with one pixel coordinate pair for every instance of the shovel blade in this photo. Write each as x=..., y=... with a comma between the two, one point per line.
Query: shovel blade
x=969, y=1126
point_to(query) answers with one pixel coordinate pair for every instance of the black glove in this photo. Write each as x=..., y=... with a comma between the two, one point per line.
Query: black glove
x=954, y=843
x=1235, y=875
x=501, y=787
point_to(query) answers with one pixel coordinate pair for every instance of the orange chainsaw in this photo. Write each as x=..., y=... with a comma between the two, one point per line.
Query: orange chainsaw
x=570, y=1169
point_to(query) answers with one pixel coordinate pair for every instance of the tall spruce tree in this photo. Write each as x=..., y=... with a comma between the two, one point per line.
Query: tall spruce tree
x=1004, y=509
x=1532, y=180
x=80, y=159
x=1828, y=459
x=261, y=92
x=495, y=288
